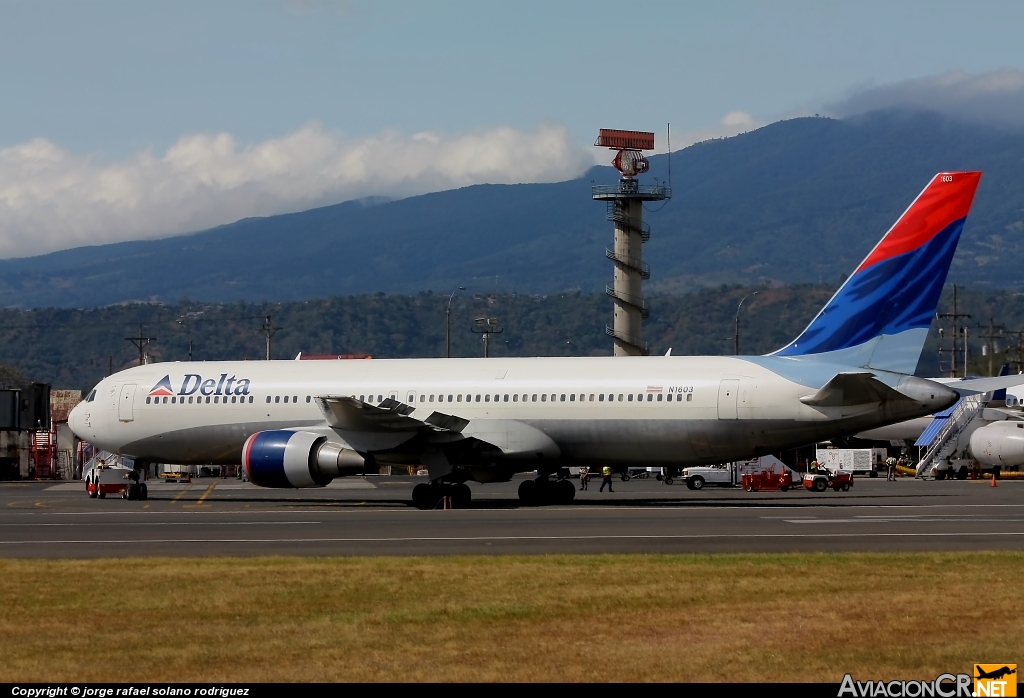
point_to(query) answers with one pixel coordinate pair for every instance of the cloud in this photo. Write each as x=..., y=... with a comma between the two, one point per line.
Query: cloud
x=732, y=124
x=995, y=99
x=53, y=199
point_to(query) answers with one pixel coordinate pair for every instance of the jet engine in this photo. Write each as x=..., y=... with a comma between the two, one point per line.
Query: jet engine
x=297, y=459
x=999, y=443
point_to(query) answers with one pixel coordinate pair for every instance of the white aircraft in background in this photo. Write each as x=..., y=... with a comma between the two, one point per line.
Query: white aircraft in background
x=300, y=424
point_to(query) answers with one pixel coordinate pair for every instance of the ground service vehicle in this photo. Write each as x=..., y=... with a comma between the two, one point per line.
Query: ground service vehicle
x=821, y=480
x=768, y=480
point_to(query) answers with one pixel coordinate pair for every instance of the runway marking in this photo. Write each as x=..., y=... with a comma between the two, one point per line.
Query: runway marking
x=178, y=523
x=182, y=493
x=206, y=494
x=507, y=538
x=895, y=519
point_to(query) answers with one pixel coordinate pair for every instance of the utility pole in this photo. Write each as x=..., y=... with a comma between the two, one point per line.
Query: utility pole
x=141, y=343
x=448, y=324
x=486, y=326
x=1019, y=334
x=736, y=336
x=955, y=317
x=269, y=331
x=990, y=347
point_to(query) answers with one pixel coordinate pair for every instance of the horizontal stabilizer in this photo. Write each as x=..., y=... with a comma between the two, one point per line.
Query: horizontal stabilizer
x=848, y=389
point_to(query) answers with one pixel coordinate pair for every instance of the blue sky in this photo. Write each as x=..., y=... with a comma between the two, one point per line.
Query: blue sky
x=207, y=98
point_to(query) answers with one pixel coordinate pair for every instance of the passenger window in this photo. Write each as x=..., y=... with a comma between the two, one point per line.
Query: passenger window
x=277, y=398
x=515, y=398
x=506, y=397
x=620, y=397
x=543, y=398
x=431, y=398
x=459, y=398
x=534, y=399
x=174, y=400
x=600, y=398
x=295, y=398
x=630, y=397
x=309, y=398
x=190, y=400
x=572, y=398
x=215, y=399
x=268, y=398
x=689, y=397
x=207, y=399
x=669, y=398
x=165, y=401
x=497, y=397
x=233, y=398
x=478, y=398
x=563, y=397
x=591, y=397
x=659, y=397
x=649, y=397
x=487, y=398
x=148, y=400
x=285, y=399
x=250, y=399
x=553, y=396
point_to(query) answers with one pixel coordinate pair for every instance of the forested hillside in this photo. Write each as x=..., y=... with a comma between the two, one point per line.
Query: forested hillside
x=799, y=201
x=76, y=348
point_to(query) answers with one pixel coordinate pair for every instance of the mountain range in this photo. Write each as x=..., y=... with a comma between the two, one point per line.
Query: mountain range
x=798, y=201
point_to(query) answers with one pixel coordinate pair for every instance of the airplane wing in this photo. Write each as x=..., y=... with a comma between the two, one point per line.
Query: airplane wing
x=972, y=386
x=848, y=389
x=511, y=437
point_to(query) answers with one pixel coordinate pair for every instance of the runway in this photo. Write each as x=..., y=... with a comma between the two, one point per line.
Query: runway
x=374, y=516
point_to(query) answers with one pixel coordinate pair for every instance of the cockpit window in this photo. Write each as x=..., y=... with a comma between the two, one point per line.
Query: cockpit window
x=91, y=396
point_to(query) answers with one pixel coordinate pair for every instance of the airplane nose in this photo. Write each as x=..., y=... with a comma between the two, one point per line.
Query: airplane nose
x=74, y=417
x=930, y=394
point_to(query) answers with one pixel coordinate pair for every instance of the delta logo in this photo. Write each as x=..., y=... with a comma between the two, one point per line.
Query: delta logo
x=194, y=383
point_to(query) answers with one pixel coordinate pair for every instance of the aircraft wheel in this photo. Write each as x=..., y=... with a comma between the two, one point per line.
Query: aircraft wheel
x=566, y=491
x=424, y=496
x=528, y=492
x=462, y=495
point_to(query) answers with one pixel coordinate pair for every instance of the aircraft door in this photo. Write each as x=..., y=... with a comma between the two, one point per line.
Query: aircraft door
x=126, y=403
x=728, y=392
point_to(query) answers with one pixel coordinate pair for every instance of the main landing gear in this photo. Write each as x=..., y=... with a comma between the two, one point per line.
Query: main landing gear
x=431, y=496
x=544, y=491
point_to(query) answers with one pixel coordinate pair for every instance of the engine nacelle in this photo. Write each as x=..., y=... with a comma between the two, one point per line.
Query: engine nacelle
x=297, y=459
x=999, y=443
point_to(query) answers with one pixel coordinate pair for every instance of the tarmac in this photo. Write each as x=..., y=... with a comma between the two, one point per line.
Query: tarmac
x=375, y=516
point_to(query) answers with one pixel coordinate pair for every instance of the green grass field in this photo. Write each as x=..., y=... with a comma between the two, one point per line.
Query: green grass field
x=796, y=617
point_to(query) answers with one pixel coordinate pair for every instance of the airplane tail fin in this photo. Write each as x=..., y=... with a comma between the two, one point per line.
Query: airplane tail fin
x=879, y=318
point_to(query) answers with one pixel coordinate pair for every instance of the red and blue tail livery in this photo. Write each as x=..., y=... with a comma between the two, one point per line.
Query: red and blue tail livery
x=880, y=317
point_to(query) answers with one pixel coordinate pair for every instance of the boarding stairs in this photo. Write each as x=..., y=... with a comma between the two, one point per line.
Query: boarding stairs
x=943, y=435
x=108, y=458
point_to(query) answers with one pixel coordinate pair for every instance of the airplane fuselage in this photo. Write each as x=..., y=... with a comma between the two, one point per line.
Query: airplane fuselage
x=662, y=410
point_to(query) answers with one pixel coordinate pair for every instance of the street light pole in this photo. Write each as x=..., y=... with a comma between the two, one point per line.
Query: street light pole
x=737, y=335
x=448, y=324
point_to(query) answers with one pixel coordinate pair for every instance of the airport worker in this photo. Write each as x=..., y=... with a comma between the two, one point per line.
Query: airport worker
x=606, y=475
x=890, y=462
x=584, y=477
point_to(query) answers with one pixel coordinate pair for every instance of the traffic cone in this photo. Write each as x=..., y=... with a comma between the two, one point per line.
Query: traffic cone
x=994, y=484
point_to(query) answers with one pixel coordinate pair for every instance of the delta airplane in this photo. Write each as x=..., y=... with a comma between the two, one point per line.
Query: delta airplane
x=303, y=423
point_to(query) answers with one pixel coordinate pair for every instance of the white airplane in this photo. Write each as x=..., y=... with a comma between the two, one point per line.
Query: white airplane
x=300, y=424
